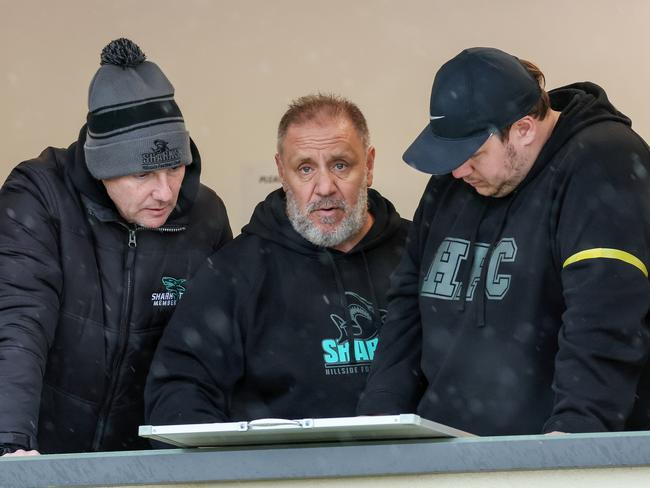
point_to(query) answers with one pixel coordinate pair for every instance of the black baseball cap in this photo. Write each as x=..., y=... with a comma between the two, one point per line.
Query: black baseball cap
x=474, y=95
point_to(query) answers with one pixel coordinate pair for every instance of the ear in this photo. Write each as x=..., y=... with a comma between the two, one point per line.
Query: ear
x=370, y=164
x=524, y=131
x=280, y=167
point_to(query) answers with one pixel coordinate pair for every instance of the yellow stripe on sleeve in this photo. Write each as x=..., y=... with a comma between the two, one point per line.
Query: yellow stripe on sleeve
x=603, y=252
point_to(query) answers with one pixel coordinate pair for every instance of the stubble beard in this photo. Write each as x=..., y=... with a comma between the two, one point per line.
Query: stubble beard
x=353, y=220
x=516, y=164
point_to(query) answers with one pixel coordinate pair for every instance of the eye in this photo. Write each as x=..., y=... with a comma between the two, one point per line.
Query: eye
x=305, y=170
x=140, y=176
x=340, y=166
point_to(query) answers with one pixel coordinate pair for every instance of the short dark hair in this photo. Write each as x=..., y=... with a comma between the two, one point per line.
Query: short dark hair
x=310, y=107
x=541, y=108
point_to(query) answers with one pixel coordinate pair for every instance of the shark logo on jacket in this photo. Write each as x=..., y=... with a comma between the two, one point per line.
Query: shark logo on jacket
x=174, y=289
x=354, y=348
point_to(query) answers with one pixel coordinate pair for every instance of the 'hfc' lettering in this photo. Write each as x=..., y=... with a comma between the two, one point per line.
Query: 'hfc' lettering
x=442, y=279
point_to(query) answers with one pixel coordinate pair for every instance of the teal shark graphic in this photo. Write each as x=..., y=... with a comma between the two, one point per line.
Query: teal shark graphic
x=354, y=349
x=360, y=324
x=175, y=286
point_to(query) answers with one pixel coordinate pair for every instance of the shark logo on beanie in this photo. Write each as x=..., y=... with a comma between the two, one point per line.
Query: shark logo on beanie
x=134, y=124
x=161, y=156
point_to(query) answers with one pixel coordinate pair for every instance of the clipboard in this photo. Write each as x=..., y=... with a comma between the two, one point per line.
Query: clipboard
x=283, y=431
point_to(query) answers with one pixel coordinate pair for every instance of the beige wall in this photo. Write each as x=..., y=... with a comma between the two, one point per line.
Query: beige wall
x=235, y=65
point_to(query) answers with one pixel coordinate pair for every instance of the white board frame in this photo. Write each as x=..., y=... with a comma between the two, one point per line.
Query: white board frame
x=282, y=431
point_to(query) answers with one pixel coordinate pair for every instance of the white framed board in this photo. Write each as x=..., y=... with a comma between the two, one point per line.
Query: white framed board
x=283, y=431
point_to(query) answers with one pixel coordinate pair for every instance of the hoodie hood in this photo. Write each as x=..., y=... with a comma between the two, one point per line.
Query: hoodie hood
x=93, y=189
x=581, y=105
x=270, y=221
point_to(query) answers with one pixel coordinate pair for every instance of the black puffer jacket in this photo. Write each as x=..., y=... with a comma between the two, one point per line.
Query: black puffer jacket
x=84, y=298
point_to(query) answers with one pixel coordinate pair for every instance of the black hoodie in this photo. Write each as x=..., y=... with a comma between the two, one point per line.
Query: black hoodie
x=84, y=298
x=275, y=326
x=537, y=342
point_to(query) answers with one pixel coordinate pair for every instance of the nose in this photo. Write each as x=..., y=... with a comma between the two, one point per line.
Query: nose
x=162, y=191
x=325, y=184
x=462, y=171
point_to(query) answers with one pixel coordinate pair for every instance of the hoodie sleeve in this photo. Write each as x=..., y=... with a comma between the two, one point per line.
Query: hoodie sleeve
x=30, y=287
x=200, y=355
x=395, y=382
x=603, y=248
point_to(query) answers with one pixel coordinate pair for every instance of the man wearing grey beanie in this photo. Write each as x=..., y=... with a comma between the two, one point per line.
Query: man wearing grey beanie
x=96, y=244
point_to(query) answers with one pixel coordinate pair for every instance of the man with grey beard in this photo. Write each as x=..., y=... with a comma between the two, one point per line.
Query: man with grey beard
x=284, y=322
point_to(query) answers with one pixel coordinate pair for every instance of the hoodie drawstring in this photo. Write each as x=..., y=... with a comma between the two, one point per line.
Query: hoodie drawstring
x=470, y=262
x=373, y=291
x=482, y=285
x=345, y=304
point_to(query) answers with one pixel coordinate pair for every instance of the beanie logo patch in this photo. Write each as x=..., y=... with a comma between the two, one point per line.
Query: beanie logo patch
x=161, y=156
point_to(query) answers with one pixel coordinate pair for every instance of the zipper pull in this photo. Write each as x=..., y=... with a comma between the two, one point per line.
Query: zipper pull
x=132, y=241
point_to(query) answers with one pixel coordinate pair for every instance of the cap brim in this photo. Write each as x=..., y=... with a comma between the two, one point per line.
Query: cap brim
x=440, y=156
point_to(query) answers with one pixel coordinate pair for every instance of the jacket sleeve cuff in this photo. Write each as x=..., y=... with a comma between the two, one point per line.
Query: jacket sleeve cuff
x=12, y=441
x=572, y=423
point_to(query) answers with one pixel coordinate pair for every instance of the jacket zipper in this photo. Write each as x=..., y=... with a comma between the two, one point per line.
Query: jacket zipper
x=127, y=305
x=121, y=341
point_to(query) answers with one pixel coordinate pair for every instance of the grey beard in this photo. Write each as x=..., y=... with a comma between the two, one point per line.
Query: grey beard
x=352, y=222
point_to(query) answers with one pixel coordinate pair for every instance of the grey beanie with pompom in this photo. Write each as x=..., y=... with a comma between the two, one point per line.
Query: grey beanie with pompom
x=134, y=124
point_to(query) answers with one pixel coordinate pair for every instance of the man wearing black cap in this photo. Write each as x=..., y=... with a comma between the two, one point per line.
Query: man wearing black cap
x=521, y=303
x=96, y=243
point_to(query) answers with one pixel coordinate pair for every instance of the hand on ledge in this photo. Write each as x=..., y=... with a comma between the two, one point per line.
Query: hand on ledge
x=22, y=452
x=555, y=432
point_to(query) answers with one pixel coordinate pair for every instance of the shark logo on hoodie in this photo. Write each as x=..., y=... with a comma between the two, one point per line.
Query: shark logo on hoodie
x=354, y=348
